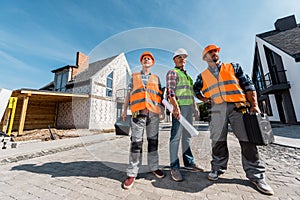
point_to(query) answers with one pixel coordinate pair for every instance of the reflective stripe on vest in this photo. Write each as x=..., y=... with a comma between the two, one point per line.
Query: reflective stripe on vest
x=184, y=89
x=225, y=88
x=145, y=97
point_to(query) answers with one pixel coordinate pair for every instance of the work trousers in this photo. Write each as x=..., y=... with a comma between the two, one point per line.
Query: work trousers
x=150, y=123
x=221, y=115
x=179, y=132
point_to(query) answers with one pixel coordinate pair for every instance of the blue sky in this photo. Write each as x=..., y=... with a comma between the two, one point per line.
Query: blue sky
x=37, y=36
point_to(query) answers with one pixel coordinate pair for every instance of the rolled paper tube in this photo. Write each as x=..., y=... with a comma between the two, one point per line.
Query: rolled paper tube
x=190, y=128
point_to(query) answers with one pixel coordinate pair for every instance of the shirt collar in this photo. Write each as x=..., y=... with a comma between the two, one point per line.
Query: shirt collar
x=181, y=69
x=144, y=73
x=219, y=66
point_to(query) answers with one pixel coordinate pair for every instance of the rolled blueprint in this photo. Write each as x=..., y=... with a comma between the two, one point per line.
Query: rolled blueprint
x=191, y=129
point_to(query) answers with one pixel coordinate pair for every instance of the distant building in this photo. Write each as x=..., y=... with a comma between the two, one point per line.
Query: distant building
x=87, y=95
x=276, y=71
x=104, y=81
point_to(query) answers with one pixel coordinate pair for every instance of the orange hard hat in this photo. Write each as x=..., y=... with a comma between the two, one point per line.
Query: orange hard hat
x=147, y=53
x=209, y=48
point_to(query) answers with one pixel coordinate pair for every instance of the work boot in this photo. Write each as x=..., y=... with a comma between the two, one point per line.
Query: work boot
x=262, y=186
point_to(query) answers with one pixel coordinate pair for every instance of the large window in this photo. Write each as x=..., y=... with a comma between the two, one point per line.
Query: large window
x=61, y=81
x=109, y=84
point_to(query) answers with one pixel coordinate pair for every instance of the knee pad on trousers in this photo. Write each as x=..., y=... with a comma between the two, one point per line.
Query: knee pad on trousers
x=220, y=149
x=249, y=150
x=136, y=147
x=152, y=145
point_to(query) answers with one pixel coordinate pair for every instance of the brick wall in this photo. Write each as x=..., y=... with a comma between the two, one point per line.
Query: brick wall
x=82, y=61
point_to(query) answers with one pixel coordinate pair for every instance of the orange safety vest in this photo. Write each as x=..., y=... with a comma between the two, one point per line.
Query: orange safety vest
x=145, y=97
x=225, y=88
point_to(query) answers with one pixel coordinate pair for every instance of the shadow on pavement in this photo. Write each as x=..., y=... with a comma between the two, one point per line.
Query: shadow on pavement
x=79, y=168
x=193, y=181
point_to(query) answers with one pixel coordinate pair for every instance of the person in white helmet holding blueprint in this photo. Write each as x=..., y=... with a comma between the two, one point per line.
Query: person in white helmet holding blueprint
x=180, y=94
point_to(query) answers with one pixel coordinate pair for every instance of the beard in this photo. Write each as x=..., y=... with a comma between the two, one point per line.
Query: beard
x=213, y=58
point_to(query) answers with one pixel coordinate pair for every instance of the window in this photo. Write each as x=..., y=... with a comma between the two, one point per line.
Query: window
x=61, y=81
x=109, y=84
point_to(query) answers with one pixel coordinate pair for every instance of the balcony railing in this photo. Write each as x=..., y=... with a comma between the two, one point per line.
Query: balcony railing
x=271, y=83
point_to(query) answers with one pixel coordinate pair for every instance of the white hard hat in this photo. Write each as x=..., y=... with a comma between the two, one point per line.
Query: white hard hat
x=180, y=51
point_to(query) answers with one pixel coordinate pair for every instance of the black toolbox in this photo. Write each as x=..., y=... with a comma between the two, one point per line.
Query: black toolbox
x=258, y=128
x=123, y=127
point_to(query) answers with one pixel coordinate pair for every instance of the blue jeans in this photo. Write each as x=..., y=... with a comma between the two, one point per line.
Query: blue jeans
x=179, y=132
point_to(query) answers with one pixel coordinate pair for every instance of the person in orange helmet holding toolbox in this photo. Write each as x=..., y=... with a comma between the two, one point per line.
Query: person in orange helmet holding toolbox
x=227, y=87
x=144, y=98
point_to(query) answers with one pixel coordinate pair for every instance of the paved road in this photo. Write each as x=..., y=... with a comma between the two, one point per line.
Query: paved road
x=96, y=169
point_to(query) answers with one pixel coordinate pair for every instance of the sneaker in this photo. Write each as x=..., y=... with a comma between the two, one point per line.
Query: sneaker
x=194, y=167
x=176, y=175
x=158, y=173
x=214, y=175
x=128, y=183
x=262, y=186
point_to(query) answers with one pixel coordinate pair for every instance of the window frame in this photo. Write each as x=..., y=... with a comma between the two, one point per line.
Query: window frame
x=109, y=89
x=61, y=80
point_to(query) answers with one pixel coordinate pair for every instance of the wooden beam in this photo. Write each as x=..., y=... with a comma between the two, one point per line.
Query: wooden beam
x=23, y=114
x=54, y=93
x=5, y=120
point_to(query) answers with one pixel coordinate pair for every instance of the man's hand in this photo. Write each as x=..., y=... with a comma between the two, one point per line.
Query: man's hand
x=206, y=100
x=196, y=112
x=176, y=109
x=252, y=98
x=176, y=112
x=162, y=113
x=255, y=109
x=203, y=98
x=124, y=114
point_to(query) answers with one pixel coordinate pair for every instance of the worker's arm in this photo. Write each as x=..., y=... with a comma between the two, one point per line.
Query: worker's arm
x=176, y=109
x=252, y=98
x=125, y=107
x=203, y=98
x=196, y=110
x=198, y=85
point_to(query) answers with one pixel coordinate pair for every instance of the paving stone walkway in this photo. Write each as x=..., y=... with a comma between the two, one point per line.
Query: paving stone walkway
x=95, y=170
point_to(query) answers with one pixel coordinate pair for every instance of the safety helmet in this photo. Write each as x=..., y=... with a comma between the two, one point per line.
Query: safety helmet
x=180, y=51
x=209, y=48
x=147, y=53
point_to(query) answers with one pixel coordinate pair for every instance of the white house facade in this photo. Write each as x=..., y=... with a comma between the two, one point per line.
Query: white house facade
x=105, y=82
x=276, y=71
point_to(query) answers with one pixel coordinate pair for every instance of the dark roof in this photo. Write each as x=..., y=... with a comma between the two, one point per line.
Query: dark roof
x=93, y=69
x=64, y=67
x=287, y=40
x=49, y=86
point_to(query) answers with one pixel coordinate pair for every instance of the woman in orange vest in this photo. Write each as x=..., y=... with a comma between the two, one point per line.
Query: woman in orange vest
x=144, y=99
x=226, y=86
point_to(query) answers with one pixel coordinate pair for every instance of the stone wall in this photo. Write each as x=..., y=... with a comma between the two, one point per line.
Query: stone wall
x=73, y=114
